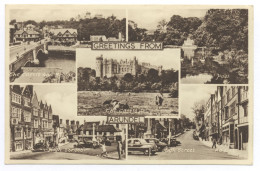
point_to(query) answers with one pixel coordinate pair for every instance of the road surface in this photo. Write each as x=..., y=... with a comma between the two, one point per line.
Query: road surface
x=20, y=49
x=189, y=149
x=91, y=154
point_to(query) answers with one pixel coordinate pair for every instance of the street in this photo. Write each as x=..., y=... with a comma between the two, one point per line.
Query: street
x=88, y=154
x=189, y=149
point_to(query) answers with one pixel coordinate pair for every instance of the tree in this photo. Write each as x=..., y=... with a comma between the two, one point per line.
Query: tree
x=162, y=26
x=152, y=75
x=12, y=22
x=128, y=77
x=199, y=110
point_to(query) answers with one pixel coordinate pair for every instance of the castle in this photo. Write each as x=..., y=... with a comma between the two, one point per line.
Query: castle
x=111, y=67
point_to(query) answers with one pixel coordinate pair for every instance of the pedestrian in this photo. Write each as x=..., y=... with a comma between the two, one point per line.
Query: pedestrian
x=104, y=150
x=214, y=145
x=17, y=56
x=119, y=149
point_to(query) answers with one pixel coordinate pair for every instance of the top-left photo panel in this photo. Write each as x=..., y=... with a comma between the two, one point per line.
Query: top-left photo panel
x=42, y=39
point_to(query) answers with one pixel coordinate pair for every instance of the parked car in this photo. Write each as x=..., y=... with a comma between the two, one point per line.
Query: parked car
x=138, y=144
x=87, y=144
x=160, y=145
x=107, y=142
x=195, y=136
x=174, y=142
x=40, y=147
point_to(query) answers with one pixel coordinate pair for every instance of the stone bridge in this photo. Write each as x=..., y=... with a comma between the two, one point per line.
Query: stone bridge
x=28, y=56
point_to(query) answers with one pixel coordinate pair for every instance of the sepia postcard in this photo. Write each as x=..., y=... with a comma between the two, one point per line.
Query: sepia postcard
x=129, y=84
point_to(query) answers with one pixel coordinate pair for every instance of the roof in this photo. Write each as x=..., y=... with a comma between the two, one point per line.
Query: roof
x=100, y=128
x=108, y=128
x=27, y=31
x=62, y=31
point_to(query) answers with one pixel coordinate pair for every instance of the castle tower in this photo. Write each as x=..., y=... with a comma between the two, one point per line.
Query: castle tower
x=99, y=66
x=105, y=67
x=134, y=67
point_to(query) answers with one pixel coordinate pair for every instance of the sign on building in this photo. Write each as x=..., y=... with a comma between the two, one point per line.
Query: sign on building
x=125, y=119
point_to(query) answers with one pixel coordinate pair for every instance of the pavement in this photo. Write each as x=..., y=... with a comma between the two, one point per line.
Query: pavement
x=225, y=149
x=189, y=149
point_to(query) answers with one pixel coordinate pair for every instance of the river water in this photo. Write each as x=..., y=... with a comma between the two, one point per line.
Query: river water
x=52, y=63
x=65, y=61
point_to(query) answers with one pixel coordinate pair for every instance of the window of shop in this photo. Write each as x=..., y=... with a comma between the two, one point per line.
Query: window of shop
x=35, y=123
x=35, y=112
x=18, y=133
x=26, y=102
x=27, y=116
x=16, y=113
x=18, y=146
x=16, y=98
x=29, y=133
x=41, y=113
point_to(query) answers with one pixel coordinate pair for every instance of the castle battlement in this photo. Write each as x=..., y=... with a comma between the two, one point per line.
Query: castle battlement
x=111, y=67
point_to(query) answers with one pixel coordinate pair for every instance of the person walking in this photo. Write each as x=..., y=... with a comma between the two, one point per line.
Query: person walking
x=119, y=149
x=214, y=145
x=104, y=150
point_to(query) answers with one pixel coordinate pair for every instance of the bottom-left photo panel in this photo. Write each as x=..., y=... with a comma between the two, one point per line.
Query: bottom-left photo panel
x=44, y=125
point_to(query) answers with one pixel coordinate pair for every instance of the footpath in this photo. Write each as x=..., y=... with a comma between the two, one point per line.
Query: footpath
x=242, y=154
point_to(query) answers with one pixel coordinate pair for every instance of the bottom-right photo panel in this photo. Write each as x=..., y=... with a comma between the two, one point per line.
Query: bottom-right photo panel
x=221, y=122
x=214, y=124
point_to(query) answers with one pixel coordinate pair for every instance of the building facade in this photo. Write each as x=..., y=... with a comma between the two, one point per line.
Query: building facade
x=63, y=36
x=226, y=116
x=26, y=36
x=111, y=67
x=30, y=120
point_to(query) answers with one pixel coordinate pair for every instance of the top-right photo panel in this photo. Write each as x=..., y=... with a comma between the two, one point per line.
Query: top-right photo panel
x=213, y=42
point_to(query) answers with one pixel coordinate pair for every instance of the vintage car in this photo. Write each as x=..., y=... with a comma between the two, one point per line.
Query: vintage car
x=40, y=147
x=174, y=142
x=138, y=144
x=87, y=144
x=160, y=145
x=195, y=136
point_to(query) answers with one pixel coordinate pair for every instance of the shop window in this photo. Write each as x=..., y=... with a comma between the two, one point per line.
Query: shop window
x=35, y=112
x=26, y=102
x=27, y=116
x=18, y=146
x=16, y=98
x=18, y=133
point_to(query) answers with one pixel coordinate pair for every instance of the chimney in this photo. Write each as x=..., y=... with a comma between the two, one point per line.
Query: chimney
x=60, y=121
x=72, y=122
x=67, y=122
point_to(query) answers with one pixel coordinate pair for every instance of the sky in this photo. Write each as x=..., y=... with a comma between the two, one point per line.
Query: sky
x=63, y=100
x=190, y=94
x=168, y=58
x=144, y=20
x=48, y=14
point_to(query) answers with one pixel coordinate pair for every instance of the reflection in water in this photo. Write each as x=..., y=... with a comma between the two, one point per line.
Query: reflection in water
x=65, y=61
x=197, y=79
x=206, y=69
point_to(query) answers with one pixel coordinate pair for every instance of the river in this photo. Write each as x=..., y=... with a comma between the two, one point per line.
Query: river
x=54, y=63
